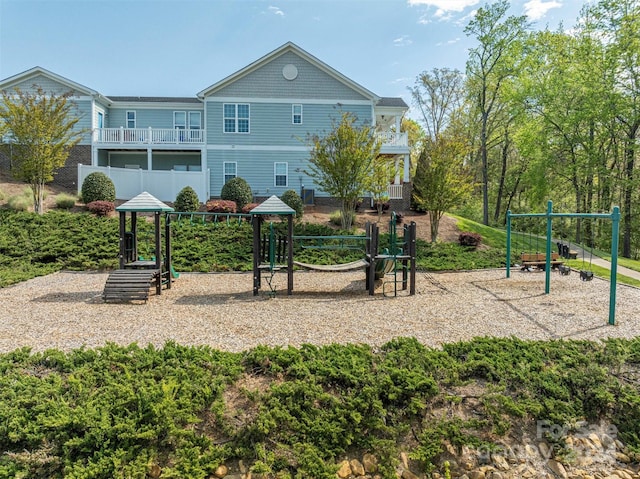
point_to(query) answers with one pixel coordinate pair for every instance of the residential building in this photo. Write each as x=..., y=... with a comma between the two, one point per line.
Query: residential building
x=252, y=124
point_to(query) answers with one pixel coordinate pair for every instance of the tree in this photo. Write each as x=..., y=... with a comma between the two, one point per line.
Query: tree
x=447, y=182
x=383, y=171
x=489, y=65
x=40, y=127
x=341, y=163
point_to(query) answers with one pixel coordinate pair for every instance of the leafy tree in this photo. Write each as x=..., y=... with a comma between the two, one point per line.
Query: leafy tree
x=342, y=161
x=446, y=182
x=383, y=171
x=41, y=131
x=490, y=65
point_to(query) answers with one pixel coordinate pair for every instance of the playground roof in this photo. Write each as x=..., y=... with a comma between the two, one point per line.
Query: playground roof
x=273, y=206
x=144, y=202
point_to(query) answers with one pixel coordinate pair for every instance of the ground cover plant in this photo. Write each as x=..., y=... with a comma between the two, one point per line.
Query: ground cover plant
x=124, y=411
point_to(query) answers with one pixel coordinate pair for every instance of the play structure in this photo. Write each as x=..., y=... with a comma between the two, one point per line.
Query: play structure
x=136, y=275
x=545, y=261
x=273, y=252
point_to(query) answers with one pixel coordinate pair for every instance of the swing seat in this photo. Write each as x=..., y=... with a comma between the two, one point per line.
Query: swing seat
x=586, y=275
x=564, y=270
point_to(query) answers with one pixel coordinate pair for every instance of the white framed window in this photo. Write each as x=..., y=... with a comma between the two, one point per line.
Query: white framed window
x=230, y=170
x=195, y=121
x=131, y=119
x=235, y=117
x=180, y=120
x=280, y=173
x=296, y=114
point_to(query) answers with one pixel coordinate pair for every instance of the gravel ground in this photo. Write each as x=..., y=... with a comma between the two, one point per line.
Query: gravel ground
x=65, y=311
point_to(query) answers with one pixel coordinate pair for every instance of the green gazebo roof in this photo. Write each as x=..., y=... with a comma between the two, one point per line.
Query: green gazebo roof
x=144, y=202
x=273, y=206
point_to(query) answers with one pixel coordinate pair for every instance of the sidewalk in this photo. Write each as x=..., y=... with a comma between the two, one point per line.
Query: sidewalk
x=603, y=263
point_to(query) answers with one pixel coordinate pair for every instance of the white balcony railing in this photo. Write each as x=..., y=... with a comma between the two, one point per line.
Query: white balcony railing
x=153, y=136
x=390, y=138
x=394, y=192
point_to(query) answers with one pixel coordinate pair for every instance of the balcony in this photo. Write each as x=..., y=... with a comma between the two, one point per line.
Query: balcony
x=147, y=136
x=390, y=138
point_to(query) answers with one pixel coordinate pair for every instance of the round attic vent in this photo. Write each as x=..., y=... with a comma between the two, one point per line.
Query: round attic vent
x=290, y=72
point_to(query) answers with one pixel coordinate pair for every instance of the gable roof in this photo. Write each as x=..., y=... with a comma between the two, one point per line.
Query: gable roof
x=144, y=202
x=35, y=71
x=289, y=47
x=273, y=206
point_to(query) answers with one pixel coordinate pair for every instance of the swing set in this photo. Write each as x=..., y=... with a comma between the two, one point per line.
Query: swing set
x=585, y=275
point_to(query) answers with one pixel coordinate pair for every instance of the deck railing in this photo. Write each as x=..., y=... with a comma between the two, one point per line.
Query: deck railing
x=394, y=192
x=154, y=136
x=390, y=138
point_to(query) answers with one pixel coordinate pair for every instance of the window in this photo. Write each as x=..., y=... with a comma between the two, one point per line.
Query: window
x=296, y=114
x=280, y=173
x=194, y=120
x=100, y=119
x=179, y=120
x=131, y=119
x=236, y=118
x=230, y=170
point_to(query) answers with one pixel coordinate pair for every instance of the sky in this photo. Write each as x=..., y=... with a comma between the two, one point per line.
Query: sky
x=180, y=47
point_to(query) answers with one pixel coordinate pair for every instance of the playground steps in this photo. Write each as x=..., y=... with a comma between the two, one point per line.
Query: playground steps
x=129, y=284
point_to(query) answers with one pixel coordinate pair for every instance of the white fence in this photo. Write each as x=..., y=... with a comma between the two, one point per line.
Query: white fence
x=153, y=136
x=164, y=185
x=394, y=192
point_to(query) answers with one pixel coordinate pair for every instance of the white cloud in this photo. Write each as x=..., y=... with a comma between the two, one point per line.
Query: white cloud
x=276, y=11
x=445, y=5
x=448, y=42
x=536, y=9
x=402, y=41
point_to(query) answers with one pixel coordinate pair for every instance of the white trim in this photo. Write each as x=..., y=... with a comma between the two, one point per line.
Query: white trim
x=308, y=101
x=184, y=127
x=126, y=119
x=236, y=119
x=257, y=148
x=275, y=174
x=293, y=114
x=224, y=173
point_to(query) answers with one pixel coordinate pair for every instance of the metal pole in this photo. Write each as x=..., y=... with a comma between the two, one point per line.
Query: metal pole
x=508, y=262
x=547, y=269
x=615, y=222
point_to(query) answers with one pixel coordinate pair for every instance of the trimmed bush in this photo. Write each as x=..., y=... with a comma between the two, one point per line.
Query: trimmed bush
x=238, y=190
x=65, y=201
x=248, y=207
x=187, y=200
x=101, y=208
x=221, y=206
x=467, y=238
x=293, y=200
x=97, y=187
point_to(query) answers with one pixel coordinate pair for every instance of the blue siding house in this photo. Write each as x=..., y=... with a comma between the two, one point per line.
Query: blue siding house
x=252, y=124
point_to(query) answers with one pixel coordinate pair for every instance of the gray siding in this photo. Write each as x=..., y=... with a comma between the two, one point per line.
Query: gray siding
x=82, y=110
x=146, y=117
x=257, y=167
x=47, y=84
x=270, y=123
x=268, y=82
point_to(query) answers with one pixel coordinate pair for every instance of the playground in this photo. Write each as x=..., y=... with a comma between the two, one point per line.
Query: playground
x=66, y=311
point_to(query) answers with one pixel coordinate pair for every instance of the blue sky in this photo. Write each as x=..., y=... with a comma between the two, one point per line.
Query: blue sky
x=180, y=47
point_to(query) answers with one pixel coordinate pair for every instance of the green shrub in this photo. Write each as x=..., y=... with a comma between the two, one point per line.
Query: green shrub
x=2, y=195
x=187, y=200
x=65, y=201
x=238, y=190
x=293, y=200
x=19, y=203
x=101, y=208
x=97, y=187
